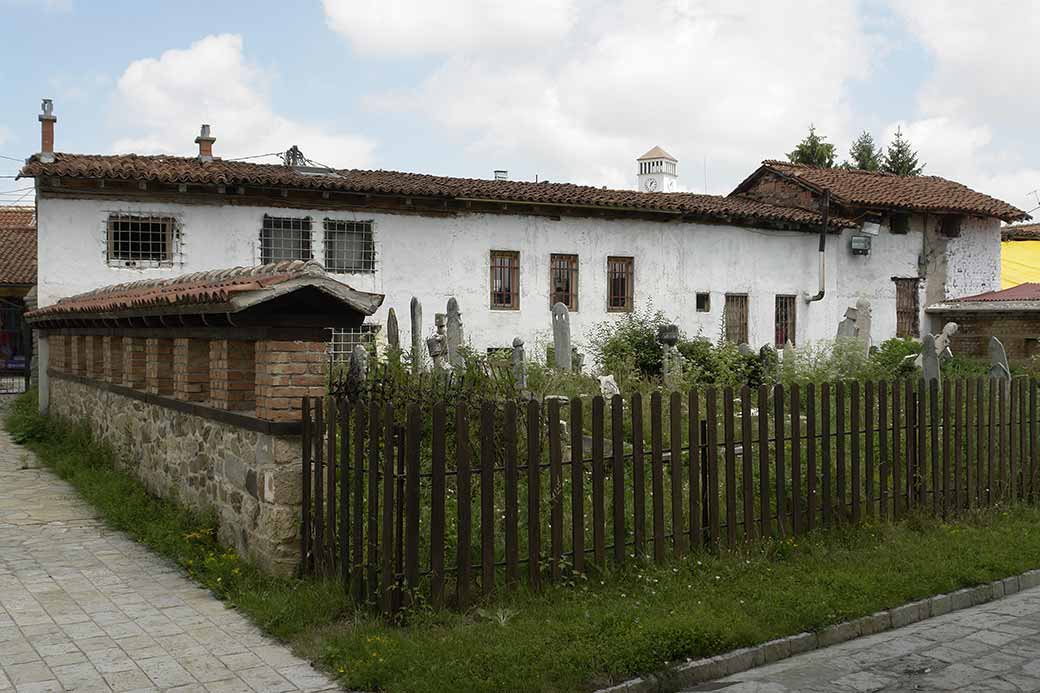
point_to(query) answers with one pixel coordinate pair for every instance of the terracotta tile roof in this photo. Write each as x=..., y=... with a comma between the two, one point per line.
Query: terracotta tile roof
x=202, y=292
x=886, y=190
x=17, y=245
x=1020, y=232
x=1029, y=291
x=173, y=170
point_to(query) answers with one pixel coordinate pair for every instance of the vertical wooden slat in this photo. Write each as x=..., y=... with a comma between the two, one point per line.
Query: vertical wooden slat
x=344, y=495
x=675, y=440
x=868, y=438
x=897, y=465
x=617, y=450
x=657, y=474
x=933, y=444
x=1002, y=483
x=747, y=472
x=765, y=512
x=534, y=495
x=779, y=433
x=971, y=450
x=1012, y=426
x=511, y=493
x=731, y=466
x=331, y=419
x=638, y=478
x=841, y=495
x=712, y=462
x=795, y=502
x=305, y=505
x=387, y=567
x=947, y=480
x=1023, y=432
x=959, y=482
x=696, y=443
x=810, y=457
x=358, y=524
x=487, y=497
x=578, y=484
x=910, y=444
x=374, y=436
x=884, y=465
x=981, y=444
x=438, y=462
x=920, y=463
x=599, y=517
x=854, y=431
x=399, y=513
x=318, y=545
x=1034, y=453
x=555, y=491
x=411, y=529
x=825, y=448
x=991, y=440
x=464, y=495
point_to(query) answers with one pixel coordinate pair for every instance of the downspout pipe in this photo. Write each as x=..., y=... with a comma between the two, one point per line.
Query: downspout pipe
x=823, y=248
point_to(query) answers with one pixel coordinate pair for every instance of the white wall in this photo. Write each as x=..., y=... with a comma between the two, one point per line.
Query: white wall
x=435, y=258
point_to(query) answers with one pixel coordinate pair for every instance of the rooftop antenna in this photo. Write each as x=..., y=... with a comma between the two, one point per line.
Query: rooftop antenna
x=294, y=157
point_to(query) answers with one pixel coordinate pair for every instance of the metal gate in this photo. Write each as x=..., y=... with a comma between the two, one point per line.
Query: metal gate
x=15, y=347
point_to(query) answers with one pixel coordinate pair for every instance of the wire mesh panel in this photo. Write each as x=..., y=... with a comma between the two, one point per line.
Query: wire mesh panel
x=784, y=317
x=505, y=280
x=736, y=316
x=620, y=284
x=285, y=238
x=140, y=240
x=349, y=247
x=563, y=280
x=344, y=341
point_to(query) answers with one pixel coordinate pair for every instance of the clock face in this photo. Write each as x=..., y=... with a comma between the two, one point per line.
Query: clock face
x=650, y=185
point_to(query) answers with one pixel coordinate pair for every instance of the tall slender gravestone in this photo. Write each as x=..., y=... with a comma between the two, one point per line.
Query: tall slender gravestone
x=455, y=334
x=517, y=362
x=415, y=311
x=929, y=359
x=671, y=360
x=393, y=332
x=998, y=363
x=863, y=323
x=561, y=324
x=357, y=372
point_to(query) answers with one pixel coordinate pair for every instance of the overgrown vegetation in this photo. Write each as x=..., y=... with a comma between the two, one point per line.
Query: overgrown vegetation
x=590, y=630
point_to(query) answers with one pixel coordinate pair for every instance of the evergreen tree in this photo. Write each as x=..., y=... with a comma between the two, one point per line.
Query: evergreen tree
x=814, y=150
x=900, y=158
x=864, y=155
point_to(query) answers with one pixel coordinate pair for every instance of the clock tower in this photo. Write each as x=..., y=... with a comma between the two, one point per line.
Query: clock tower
x=657, y=171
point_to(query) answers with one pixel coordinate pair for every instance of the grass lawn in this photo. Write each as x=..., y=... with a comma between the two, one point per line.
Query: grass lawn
x=591, y=631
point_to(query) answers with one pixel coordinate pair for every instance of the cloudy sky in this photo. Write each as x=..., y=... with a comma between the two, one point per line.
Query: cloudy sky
x=563, y=89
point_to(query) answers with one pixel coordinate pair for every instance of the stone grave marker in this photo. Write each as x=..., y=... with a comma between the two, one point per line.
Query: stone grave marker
x=561, y=325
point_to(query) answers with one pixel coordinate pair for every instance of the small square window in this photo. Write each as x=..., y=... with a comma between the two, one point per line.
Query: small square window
x=140, y=240
x=285, y=238
x=704, y=302
x=349, y=247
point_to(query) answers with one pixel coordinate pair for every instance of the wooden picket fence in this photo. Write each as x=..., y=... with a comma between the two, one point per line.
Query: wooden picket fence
x=447, y=503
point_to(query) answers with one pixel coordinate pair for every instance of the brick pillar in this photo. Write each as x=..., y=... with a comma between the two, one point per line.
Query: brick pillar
x=134, y=360
x=113, y=359
x=232, y=366
x=159, y=366
x=78, y=354
x=95, y=357
x=191, y=369
x=286, y=372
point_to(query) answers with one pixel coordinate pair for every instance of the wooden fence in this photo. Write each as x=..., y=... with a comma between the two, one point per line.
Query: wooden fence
x=445, y=503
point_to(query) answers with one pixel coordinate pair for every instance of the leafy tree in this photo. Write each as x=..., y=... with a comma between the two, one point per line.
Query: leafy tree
x=901, y=159
x=864, y=154
x=814, y=150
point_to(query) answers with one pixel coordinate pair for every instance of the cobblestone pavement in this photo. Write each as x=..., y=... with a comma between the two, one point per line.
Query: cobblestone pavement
x=85, y=608
x=991, y=647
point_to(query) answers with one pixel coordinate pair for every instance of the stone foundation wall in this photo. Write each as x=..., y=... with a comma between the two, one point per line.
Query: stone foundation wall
x=249, y=480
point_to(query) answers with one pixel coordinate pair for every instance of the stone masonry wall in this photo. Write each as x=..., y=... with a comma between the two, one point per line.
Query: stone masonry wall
x=1018, y=332
x=249, y=480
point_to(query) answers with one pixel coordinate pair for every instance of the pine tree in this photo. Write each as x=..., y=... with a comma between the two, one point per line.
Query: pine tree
x=900, y=158
x=863, y=154
x=813, y=151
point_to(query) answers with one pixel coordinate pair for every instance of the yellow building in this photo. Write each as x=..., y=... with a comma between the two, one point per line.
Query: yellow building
x=1019, y=255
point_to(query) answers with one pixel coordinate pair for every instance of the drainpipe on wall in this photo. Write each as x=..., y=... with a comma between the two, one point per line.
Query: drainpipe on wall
x=823, y=248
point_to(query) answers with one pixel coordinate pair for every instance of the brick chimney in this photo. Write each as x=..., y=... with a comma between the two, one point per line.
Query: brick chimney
x=47, y=121
x=205, y=143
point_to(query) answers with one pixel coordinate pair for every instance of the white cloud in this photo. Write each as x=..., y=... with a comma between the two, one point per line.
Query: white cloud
x=730, y=82
x=162, y=101
x=404, y=28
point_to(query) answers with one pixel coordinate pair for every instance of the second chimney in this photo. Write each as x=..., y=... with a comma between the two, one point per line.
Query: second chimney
x=47, y=121
x=205, y=143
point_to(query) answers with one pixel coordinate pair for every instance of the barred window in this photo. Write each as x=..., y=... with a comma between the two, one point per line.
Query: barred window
x=505, y=280
x=563, y=281
x=784, y=317
x=620, y=284
x=285, y=238
x=736, y=317
x=349, y=247
x=140, y=240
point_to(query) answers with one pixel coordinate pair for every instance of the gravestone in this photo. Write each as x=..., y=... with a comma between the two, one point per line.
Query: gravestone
x=517, y=362
x=998, y=363
x=437, y=345
x=608, y=386
x=769, y=362
x=357, y=372
x=671, y=359
x=393, y=332
x=745, y=349
x=863, y=323
x=415, y=314
x=455, y=335
x=929, y=359
x=942, y=344
x=561, y=326
x=847, y=327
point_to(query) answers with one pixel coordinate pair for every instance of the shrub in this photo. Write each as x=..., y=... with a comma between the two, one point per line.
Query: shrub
x=628, y=346
x=24, y=422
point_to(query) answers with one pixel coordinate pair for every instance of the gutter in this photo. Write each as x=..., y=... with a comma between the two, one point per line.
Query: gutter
x=822, y=249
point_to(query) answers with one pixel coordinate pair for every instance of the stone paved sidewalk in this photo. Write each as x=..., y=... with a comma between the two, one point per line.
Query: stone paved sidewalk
x=990, y=647
x=86, y=608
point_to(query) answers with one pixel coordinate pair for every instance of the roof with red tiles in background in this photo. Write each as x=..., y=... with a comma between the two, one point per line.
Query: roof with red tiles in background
x=1020, y=232
x=17, y=246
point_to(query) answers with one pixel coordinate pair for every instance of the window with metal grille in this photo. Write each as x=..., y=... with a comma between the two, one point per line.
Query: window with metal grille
x=907, y=307
x=704, y=302
x=285, y=238
x=563, y=281
x=505, y=280
x=736, y=318
x=344, y=341
x=784, y=319
x=620, y=284
x=136, y=240
x=349, y=247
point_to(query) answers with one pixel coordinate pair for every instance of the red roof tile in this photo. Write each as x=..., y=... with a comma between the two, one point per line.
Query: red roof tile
x=1020, y=232
x=173, y=170
x=17, y=217
x=1030, y=291
x=17, y=245
x=886, y=190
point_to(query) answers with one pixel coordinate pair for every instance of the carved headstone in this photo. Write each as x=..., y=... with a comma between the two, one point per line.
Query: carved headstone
x=671, y=359
x=561, y=326
x=517, y=362
x=929, y=359
x=942, y=344
x=437, y=345
x=847, y=327
x=415, y=313
x=767, y=357
x=455, y=335
x=863, y=323
x=998, y=363
x=577, y=360
x=608, y=387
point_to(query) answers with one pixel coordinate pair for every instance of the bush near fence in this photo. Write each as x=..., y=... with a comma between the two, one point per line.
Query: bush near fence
x=448, y=503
